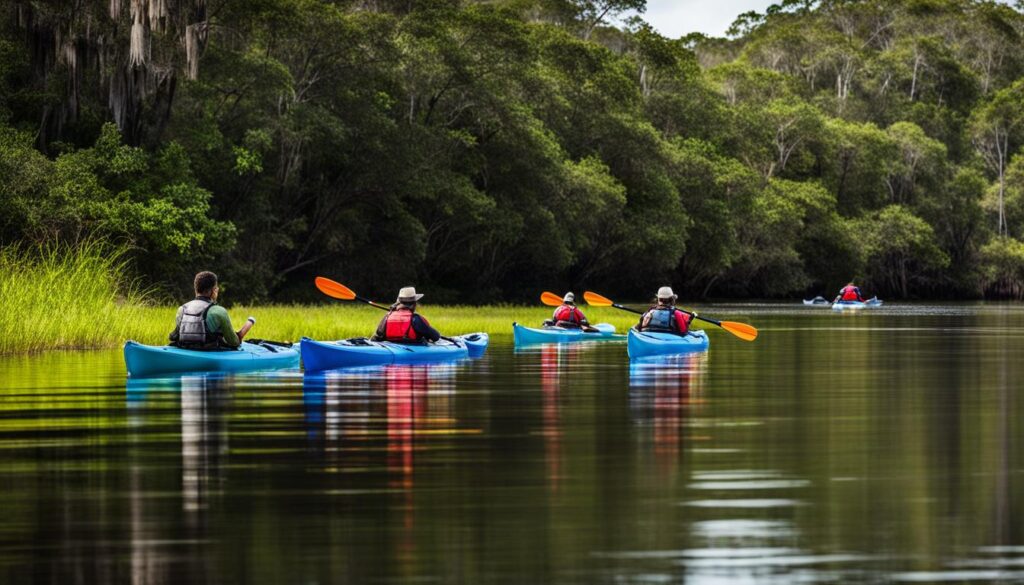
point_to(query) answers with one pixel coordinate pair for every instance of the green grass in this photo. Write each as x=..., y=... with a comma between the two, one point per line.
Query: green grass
x=342, y=320
x=59, y=298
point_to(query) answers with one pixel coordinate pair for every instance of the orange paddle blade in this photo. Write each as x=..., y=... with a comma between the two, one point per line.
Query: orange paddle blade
x=741, y=330
x=550, y=299
x=334, y=289
x=597, y=300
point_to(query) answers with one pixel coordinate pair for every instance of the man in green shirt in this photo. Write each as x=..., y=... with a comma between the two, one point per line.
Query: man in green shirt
x=203, y=324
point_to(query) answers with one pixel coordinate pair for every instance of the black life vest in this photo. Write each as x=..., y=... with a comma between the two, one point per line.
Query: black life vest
x=192, y=330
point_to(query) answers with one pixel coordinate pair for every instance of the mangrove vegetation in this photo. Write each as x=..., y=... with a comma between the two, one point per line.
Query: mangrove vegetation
x=486, y=150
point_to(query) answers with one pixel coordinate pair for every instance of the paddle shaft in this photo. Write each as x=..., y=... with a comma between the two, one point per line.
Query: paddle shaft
x=693, y=315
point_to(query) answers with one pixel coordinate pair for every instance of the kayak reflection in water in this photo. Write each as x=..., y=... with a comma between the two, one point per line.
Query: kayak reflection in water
x=849, y=293
x=403, y=324
x=203, y=324
x=568, y=315
x=664, y=316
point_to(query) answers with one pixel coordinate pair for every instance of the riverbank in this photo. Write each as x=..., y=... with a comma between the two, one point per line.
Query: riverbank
x=77, y=328
x=341, y=321
x=83, y=298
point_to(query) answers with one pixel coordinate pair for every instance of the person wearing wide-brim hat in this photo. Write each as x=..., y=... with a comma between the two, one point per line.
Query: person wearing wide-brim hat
x=568, y=315
x=664, y=316
x=403, y=324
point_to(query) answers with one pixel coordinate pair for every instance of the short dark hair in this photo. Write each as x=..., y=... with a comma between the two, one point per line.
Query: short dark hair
x=205, y=281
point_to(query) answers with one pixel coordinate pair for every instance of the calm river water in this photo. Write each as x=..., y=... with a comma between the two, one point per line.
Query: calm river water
x=881, y=447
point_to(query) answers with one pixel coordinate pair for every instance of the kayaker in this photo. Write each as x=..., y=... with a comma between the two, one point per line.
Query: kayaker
x=664, y=316
x=568, y=315
x=203, y=324
x=403, y=324
x=849, y=293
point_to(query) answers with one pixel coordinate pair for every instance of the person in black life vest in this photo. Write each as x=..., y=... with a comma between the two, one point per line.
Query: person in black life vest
x=850, y=292
x=664, y=316
x=568, y=315
x=203, y=324
x=403, y=324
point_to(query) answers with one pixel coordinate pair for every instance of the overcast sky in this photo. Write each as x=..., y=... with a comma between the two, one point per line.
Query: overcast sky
x=675, y=18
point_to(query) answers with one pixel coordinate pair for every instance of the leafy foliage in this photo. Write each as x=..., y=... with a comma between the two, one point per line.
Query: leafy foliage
x=484, y=150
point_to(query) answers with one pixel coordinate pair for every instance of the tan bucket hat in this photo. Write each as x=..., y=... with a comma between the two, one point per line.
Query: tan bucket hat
x=665, y=292
x=408, y=295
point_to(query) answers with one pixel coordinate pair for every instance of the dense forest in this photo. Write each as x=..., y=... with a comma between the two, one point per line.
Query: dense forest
x=484, y=150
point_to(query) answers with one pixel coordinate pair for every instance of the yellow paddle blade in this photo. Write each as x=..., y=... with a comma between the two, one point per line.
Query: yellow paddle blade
x=550, y=299
x=741, y=330
x=334, y=289
x=597, y=300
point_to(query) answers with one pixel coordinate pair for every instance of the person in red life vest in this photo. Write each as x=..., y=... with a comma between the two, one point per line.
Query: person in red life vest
x=664, y=316
x=569, y=315
x=850, y=292
x=403, y=324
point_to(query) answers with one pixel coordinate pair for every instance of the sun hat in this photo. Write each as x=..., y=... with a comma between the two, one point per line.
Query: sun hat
x=665, y=292
x=569, y=298
x=408, y=295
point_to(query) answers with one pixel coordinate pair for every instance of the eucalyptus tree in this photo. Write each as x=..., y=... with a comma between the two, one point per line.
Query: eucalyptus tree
x=997, y=131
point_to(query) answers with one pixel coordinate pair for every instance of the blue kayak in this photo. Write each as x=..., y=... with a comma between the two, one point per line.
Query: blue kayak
x=650, y=344
x=848, y=305
x=526, y=335
x=150, y=360
x=330, y=355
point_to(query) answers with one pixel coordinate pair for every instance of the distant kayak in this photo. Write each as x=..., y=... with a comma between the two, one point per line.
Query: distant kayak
x=527, y=335
x=817, y=301
x=331, y=355
x=649, y=344
x=853, y=305
x=150, y=360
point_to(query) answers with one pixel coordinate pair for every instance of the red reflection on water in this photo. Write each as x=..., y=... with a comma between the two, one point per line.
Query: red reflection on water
x=406, y=390
x=665, y=393
x=550, y=372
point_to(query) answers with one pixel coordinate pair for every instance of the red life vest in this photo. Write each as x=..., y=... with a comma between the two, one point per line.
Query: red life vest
x=398, y=326
x=568, y=314
x=849, y=293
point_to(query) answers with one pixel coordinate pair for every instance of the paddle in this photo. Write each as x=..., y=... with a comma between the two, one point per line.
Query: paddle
x=741, y=330
x=339, y=291
x=550, y=299
x=269, y=342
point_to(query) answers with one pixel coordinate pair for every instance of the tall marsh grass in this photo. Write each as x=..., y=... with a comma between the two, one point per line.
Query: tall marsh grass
x=341, y=320
x=61, y=298
x=70, y=298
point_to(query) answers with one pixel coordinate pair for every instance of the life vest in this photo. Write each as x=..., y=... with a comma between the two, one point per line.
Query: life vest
x=192, y=330
x=849, y=293
x=398, y=326
x=566, y=316
x=662, y=319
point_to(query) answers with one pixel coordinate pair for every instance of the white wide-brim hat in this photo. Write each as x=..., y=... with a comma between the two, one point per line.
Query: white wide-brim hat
x=665, y=292
x=408, y=295
x=569, y=298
